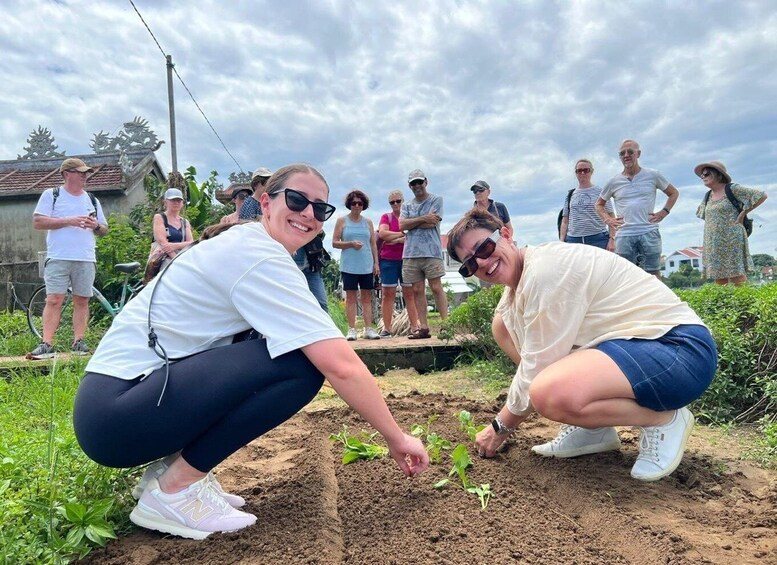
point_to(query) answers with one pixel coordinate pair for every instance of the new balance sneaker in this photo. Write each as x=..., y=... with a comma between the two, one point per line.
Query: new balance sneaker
x=385, y=334
x=661, y=448
x=351, y=335
x=43, y=351
x=573, y=441
x=155, y=470
x=80, y=348
x=195, y=512
x=370, y=333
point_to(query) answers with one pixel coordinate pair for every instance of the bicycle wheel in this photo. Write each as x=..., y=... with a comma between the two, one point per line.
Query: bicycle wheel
x=35, y=317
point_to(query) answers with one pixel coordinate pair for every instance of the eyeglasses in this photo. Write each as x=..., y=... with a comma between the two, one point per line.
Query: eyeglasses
x=356, y=203
x=82, y=173
x=395, y=201
x=297, y=202
x=705, y=174
x=583, y=171
x=470, y=265
x=624, y=152
x=477, y=189
x=417, y=182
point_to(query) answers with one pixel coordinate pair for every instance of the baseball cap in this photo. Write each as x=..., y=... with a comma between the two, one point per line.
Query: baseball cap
x=260, y=173
x=73, y=164
x=240, y=191
x=480, y=184
x=173, y=193
x=416, y=174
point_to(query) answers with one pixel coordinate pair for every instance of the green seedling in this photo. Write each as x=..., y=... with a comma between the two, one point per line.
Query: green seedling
x=483, y=492
x=355, y=448
x=434, y=442
x=467, y=424
x=461, y=462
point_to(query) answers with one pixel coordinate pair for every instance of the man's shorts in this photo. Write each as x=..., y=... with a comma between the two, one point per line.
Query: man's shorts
x=418, y=269
x=391, y=272
x=643, y=250
x=356, y=282
x=59, y=274
x=669, y=372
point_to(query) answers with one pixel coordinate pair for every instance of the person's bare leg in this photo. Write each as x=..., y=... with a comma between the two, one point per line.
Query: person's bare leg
x=419, y=293
x=440, y=298
x=179, y=476
x=412, y=311
x=588, y=389
x=366, y=299
x=52, y=311
x=350, y=307
x=739, y=280
x=80, y=316
x=387, y=306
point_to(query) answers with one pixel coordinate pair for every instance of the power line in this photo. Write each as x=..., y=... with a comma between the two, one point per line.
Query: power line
x=186, y=87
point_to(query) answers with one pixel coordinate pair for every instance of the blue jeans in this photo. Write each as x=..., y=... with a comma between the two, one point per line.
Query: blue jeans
x=597, y=240
x=643, y=250
x=316, y=286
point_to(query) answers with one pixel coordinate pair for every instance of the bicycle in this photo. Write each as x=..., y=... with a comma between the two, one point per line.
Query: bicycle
x=65, y=332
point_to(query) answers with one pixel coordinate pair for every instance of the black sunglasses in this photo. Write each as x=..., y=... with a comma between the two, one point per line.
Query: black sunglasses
x=297, y=202
x=477, y=189
x=395, y=201
x=417, y=182
x=624, y=152
x=583, y=170
x=470, y=265
x=704, y=174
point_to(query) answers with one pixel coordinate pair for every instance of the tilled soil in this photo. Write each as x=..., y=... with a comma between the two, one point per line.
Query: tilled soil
x=588, y=510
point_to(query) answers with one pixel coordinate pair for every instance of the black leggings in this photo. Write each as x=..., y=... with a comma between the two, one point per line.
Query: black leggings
x=215, y=403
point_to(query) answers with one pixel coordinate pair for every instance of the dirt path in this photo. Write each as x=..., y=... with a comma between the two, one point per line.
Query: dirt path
x=312, y=509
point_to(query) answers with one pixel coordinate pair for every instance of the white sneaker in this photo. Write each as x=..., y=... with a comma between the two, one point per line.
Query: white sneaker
x=195, y=512
x=157, y=468
x=573, y=441
x=351, y=335
x=370, y=333
x=661, y=447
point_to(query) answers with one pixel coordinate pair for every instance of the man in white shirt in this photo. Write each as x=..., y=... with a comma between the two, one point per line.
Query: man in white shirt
x=72, y=218
x=634, y=191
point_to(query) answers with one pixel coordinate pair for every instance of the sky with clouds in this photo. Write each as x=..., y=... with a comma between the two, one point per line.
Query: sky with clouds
x=509, y=92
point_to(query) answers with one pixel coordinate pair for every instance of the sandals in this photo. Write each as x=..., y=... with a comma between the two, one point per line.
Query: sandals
x=420, y=333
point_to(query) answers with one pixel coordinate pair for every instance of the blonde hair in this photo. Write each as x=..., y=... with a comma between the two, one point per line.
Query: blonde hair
x=396, y=193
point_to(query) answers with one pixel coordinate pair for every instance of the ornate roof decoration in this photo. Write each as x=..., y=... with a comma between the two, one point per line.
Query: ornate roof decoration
x=134, y=135
x=240, y=178
x=41, y=145
x=125, y=163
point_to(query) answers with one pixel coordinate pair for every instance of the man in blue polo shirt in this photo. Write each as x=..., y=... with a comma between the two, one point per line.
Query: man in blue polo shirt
x=636, y=226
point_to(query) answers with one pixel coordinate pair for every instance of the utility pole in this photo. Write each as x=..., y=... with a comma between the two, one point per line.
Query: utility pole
x=171, y=103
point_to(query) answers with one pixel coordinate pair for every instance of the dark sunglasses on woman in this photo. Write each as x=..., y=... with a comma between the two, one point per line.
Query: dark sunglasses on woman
x=297, y=202
x=470, y=265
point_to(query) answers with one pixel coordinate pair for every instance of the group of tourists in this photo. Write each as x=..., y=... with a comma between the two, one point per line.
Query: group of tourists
x=184, y=378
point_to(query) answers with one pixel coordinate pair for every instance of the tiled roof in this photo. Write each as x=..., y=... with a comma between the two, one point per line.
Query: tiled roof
x=690, y=252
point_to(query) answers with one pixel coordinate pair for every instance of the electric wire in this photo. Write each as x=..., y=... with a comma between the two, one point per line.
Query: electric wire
x=185, y=87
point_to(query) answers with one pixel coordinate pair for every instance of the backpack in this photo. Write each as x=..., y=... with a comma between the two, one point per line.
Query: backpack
x=561, y=212
x=55, y=193
x=746, y=222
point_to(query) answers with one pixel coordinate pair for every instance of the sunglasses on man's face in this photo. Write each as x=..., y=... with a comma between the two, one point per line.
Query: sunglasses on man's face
x=417, y=182
x=297, y=202
x=624, y=152
x=470, y=265
x=477, y=189
x=392, y=202
x=583, y=171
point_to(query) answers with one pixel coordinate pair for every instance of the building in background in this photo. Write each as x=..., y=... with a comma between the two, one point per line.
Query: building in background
x=690, y=256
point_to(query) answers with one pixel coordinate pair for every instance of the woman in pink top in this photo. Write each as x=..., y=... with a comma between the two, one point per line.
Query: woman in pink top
x=392, y=243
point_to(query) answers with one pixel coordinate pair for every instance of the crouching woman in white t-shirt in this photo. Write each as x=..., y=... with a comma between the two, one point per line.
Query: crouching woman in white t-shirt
x=218, y=393
x=598, y=343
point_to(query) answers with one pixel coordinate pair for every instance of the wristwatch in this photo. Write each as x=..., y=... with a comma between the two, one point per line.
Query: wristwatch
x=499, y=426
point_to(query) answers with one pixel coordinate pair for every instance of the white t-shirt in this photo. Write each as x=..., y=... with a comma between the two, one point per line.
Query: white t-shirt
x=576, y=297
x=238, y=280
x=635, y=199
x=69, y=243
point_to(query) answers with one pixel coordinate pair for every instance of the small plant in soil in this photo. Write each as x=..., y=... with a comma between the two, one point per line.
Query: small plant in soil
x=434, y=442
x=467, y=424
x=461, y=462
x=358, y=447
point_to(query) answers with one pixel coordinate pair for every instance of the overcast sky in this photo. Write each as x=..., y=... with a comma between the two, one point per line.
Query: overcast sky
x=509, y=92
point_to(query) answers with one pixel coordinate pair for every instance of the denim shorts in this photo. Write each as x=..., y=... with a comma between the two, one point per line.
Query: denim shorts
x=643, y=250
x=352, y=281
x=60, y=274
x=597, y=240
x=669, y=372
x=391, y=272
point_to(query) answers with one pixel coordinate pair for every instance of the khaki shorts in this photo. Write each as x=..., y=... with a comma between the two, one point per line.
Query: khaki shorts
x=60, y=274
x=417, y=269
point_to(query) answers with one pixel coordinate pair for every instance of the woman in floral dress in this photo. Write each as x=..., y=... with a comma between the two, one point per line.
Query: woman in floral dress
x=726, y=254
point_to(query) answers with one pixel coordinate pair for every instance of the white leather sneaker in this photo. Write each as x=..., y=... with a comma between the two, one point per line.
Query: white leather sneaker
x=661, y=448
x=573, y=441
